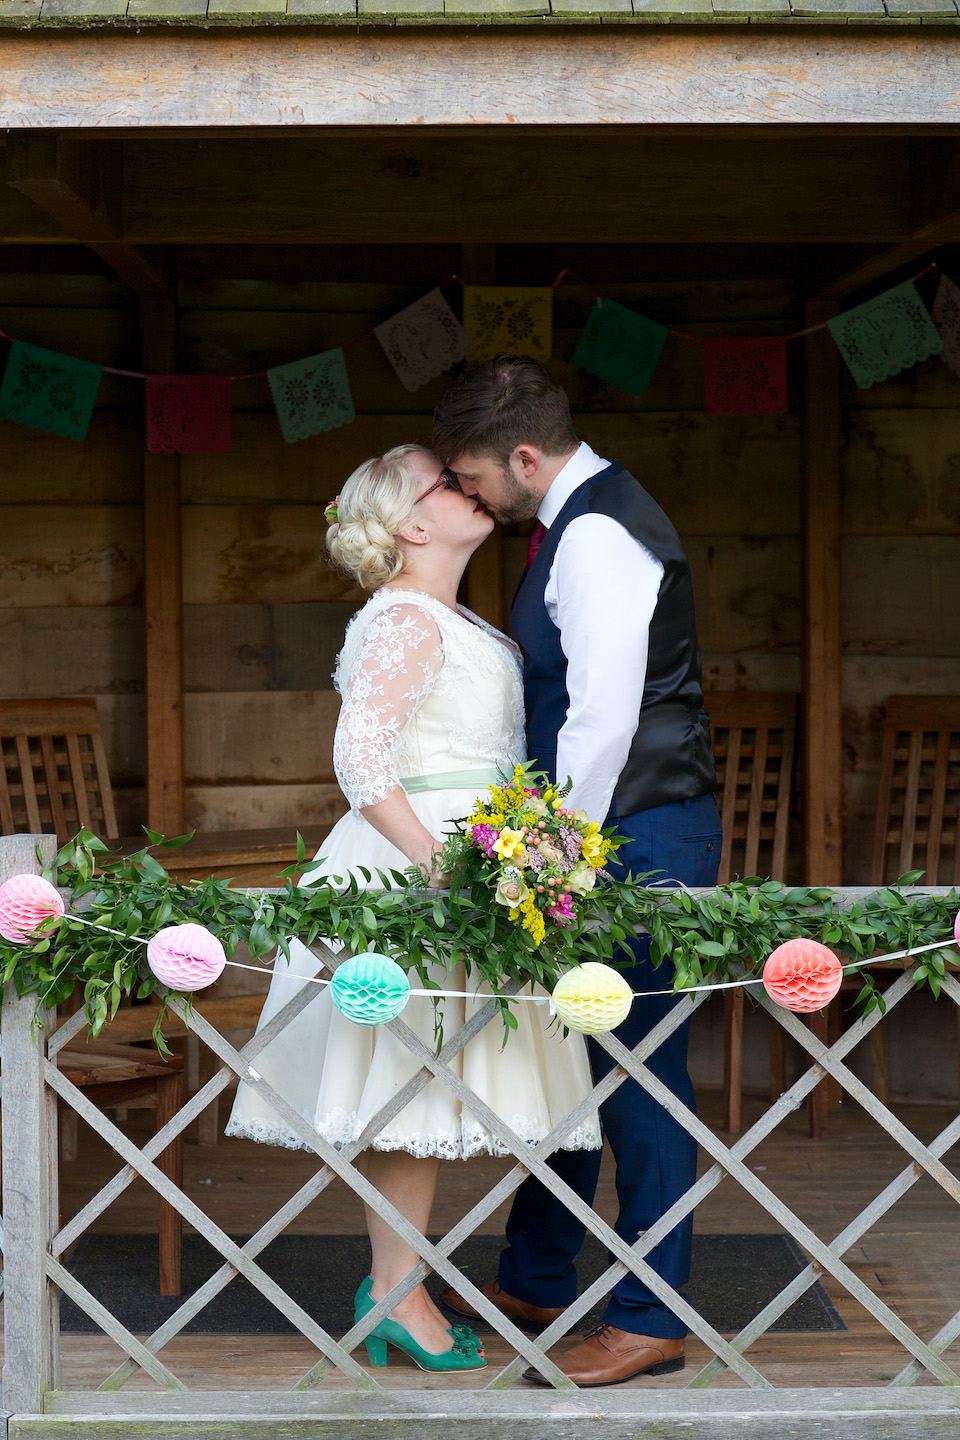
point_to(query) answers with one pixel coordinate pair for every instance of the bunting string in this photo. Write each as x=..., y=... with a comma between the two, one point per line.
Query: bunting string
x=743, y=982
x=743, y=374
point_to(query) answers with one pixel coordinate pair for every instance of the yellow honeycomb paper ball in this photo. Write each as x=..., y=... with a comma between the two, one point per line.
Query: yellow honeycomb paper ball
x=592, y=998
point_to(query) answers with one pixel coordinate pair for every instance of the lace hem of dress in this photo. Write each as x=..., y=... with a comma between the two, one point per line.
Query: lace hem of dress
x=340, y=1129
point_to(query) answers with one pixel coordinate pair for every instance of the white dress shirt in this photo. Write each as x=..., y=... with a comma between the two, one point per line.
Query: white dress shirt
x=601, y=594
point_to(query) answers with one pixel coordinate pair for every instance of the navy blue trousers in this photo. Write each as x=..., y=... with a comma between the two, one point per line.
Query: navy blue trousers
x=656, y=1158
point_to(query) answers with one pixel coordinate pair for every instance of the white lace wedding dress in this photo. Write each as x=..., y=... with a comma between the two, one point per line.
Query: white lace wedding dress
x=426, y=693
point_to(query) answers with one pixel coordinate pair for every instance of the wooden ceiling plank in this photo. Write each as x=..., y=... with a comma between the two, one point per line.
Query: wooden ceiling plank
x=531, y=188
x=79, y=183
x=934, y=220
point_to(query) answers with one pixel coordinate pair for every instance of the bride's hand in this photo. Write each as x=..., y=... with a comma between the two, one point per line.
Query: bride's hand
x=435, y=877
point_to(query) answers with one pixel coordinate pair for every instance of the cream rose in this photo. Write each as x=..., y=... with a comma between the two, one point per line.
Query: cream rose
x=511, y=893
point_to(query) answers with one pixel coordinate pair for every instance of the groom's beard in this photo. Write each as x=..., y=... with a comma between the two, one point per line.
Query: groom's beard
x=516, y=503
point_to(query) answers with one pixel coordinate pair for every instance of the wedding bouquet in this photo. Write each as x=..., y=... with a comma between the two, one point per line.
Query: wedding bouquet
x=534, y=857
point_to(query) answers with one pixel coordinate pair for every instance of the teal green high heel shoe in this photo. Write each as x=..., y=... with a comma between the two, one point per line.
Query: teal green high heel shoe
x=467, y=1353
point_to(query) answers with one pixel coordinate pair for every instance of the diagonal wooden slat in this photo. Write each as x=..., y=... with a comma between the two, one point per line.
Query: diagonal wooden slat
x=850, y=1235
x=372, y=1197
x=111, y=1325
x=318, y=1182
x=862, y=1093
x=587, y=1215
x=789, y=1101
x=781, y=1212
x=207, y=1228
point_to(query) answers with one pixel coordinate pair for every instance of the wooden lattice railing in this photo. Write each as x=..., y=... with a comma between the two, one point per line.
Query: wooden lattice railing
x=35, y=1244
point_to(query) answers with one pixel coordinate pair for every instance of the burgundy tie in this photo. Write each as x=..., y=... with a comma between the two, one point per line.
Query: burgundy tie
x=536, y=540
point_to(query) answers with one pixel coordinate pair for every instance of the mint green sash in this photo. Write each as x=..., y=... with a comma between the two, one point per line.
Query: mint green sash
x=476, y=780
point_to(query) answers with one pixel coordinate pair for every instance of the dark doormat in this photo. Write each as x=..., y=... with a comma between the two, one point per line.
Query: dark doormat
x=734, y=1276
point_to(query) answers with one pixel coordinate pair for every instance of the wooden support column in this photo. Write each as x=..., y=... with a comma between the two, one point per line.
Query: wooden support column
x=822, y=652
x=163, y=591
x=30, y=1180
x=79, y=182
x=478, y=266
x=822, y=674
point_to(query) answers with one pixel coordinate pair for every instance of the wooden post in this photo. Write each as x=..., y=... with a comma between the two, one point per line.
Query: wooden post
x=478, y=266
x=30, y=1181
x=822, y=640
x=163, y=591
x=822, y=673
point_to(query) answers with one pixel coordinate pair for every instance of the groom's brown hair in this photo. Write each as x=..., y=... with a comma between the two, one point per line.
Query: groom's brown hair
x=499, y=404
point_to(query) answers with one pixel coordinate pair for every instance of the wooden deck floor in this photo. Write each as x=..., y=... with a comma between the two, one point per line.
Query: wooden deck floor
x=911, y=1257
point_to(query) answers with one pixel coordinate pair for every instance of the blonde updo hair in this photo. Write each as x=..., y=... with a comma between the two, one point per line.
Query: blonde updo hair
x=373, y=504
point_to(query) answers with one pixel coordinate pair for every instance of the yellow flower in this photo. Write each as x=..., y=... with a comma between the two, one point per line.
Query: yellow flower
x=533, y=919
x=508, y=844
x=593, y=847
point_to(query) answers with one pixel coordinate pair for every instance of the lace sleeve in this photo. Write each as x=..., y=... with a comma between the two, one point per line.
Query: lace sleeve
x=394, y=668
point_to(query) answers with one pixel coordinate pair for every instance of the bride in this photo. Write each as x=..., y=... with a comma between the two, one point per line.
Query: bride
x=431, y=714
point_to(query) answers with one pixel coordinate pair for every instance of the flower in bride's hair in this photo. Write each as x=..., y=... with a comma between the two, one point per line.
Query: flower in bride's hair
x=330, y=512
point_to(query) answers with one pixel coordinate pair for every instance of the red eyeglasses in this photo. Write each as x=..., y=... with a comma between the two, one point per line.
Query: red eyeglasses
x=447, y=481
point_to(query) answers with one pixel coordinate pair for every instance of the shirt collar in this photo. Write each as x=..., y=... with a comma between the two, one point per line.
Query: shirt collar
x=583, y=463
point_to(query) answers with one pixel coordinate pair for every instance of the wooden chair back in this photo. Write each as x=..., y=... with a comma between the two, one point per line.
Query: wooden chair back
x=919, y=798
x=754, y=742
x=54, y=774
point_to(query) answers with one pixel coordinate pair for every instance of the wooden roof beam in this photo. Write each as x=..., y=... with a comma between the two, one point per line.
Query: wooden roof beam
x=934, y=220
x=79, y=183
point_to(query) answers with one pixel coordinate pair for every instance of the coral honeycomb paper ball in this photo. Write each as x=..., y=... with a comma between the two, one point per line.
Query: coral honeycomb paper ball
x=802, y=975
x=592, y=998
x=186, y=957
x=26, y=901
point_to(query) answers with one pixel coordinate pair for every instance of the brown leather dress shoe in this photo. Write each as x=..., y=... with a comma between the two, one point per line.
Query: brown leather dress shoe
x=608, y=1356
x=532, y=1318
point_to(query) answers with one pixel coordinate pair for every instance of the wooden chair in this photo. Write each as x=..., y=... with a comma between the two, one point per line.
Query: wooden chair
x=54, y=780
x=754, y=743
x=123, y=1075
x=917, y=826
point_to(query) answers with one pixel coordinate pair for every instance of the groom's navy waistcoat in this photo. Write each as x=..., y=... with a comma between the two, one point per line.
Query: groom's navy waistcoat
x=670, y=757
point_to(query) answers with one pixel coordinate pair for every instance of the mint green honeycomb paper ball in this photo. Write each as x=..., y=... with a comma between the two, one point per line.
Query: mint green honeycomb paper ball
x=370, y=989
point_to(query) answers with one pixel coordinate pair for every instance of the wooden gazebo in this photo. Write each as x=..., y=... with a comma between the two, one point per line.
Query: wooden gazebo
x=207, y=188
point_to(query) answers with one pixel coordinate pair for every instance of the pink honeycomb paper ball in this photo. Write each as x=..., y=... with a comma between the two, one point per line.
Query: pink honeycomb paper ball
x=186, y=957
x=802, y=975
x=956, y=928
x=26, y=901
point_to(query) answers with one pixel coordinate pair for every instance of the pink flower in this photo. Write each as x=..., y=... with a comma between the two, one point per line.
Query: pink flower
x=484, y=837
x=562, y=911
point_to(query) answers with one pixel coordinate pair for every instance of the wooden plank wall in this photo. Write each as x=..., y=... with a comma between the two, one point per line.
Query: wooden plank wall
x=264, y=620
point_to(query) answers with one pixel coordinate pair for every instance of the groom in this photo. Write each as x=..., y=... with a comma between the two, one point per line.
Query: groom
x=604, y=616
